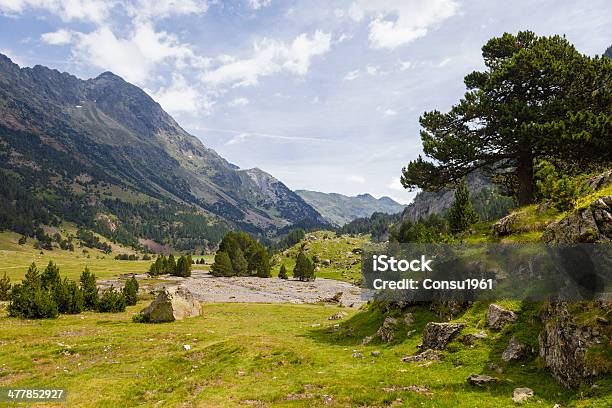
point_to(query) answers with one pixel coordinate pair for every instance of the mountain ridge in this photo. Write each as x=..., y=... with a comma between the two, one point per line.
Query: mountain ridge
x=104, y=133
x=340, y=209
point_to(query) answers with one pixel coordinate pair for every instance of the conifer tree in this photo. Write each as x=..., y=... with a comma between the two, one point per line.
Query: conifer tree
x=5, y=288
x=90, y=289
x=462, y=214
x=222, y=265
x=282, y=273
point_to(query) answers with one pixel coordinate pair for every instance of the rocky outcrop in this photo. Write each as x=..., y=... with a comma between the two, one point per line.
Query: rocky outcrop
x=600, y=181
x=497, y=316
x=506, y=225
x=480, y=380
x=521, y=394
x=386, y=332
x=438, y=335
x=563, y=346
x=469, y=338
x=516, y=350
x=590, y=224
x=171, y=304
x=427, y=355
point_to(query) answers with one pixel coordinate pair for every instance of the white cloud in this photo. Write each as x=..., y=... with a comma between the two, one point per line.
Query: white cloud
x=166, y=8
x=238, y=102
x=270, y=57
x=257, y=4
x=68, y=10
x=351, y=75
x=372, y=70
x=59, y=37
x=356, y=178
x=405, y=65
x=239, y=138
x=399, y=22
x=133, y=57
x=180, y=97
x=389, y=112
x=396, y=184
x=444, y=62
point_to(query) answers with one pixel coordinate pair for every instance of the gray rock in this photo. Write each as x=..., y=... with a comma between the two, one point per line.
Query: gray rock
x=506, y=225
x=600, y=181
x=515, y=350
x=590, y=224
x=563, y=346
x=375, y=353
x=438, y=335
x=172, y=304
x=408, y=318
x=338, y=316
x=468, y=339
x=481, y=380
x=521, y=394
x=326, y=262
x=497, y=316
x=386, y=332
x=427, y=355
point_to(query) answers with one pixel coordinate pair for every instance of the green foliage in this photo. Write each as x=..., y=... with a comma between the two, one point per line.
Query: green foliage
x=130, y=291
x=247, y=257
x=289, y=240
x=431, y=230
x=50, y=277
x=560, y=189
x=183, y=267
x=462, y=214
x=68, y=297
x=222, y=265
x=282, y=273
x=5, y=288
x=377, y=225
x=111, y=301
x=130, y=257
x=90, y=290
x=304, y=268
x=89, y=240
x=539, y=98
x=31, y=301
x=171, y=265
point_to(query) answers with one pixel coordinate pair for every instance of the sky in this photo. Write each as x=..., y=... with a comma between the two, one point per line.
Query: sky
x=324, y=95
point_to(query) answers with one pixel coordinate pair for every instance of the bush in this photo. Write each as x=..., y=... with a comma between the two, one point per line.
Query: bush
x=5, y=288
x=111, y=301
x=68, y=297
x=282, y=273
x=30, y=300
x=130, y=291
x=90, y=290
x=560, y=189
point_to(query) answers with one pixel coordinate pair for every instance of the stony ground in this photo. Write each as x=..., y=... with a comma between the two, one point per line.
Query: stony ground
x=211, y=289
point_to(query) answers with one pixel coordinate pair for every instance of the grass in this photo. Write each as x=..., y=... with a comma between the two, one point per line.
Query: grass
x=288, y=358
x=345, y=265
x=15, y=259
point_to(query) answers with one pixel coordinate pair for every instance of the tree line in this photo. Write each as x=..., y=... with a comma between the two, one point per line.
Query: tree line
x=46, y=295
x=239, y=254
x=170, y=266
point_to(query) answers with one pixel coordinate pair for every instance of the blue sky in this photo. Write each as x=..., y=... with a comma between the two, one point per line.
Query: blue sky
x=324, y=95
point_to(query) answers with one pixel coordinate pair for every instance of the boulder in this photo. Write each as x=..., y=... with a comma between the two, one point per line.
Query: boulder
x=498, y=317
x=171, y=304
x=506, y=225
x=600, y=181
x=590, y=224
x=468, y=339
x=515, y=350
x=427, y=355
x=325, y=262
x=408, y=318
x=521, y=394
x=438, y=335
x=563, y=346
x=480, y=379
x=386, y=332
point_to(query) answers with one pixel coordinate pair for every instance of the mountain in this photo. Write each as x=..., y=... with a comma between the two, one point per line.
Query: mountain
x=484, y=194
x=339, y=209
x=102, y=153
x=608, y=52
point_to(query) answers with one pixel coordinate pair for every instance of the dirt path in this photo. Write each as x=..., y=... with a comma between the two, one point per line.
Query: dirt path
x=208, y=288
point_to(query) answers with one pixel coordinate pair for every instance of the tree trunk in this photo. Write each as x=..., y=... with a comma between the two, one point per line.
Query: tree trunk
x=524, y=173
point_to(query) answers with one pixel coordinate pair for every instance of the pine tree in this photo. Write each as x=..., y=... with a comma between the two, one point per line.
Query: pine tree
x=282, y=273
x=5, y=288
x=222, y=265
x=239, y=263
x=261, y=262
x=90, y=289
x=462, y=214
x=130, y=291
x=171, y=265
x=32, y=277
x=50, y=276
x=304, y=268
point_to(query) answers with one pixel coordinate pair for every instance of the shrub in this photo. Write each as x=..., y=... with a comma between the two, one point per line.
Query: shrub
x=461, y=214
x=304, y=268
x=130, y=291
x=90, y=290
x=32, y=302
x=560, y=189
x=68, y=297
x=111, y=301
x=5, y=287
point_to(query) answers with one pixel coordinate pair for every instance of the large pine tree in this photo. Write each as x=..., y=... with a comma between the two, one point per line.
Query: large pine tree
x=462, y=214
